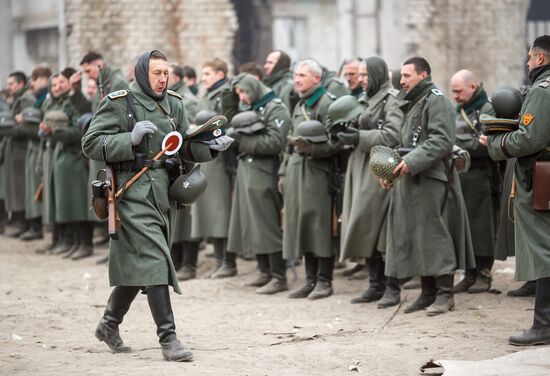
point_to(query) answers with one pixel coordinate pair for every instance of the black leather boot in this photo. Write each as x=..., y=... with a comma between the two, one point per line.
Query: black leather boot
x=527, y=289
x=56, y=240
x=219, y=250
x=190, y=254
x=323, y=287
x=35, y=230
x=229, y=266
x=118, y=304
x=427, y=295
x=277, y=270
x=377, y=281
x=392, y=294
x=158, y=298
x=21, y=224
x=264, y=275
x=539, y=333
x=484, y=278
x=444, y=301
x=86, y=247
x=312, y=266
x=468, y=281
x=3, y=217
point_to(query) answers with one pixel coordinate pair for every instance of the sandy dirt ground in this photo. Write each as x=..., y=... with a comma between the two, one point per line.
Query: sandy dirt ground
x=47, y=320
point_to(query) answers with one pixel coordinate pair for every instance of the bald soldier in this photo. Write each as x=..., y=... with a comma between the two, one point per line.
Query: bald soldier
x=278, y=75
x=480, y=185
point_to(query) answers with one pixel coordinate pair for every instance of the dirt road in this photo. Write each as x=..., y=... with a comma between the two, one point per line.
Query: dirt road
x=47, y=320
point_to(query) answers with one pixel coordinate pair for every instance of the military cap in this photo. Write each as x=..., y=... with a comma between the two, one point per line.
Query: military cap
x=382, y=161
x=212, y=128
x=247, y=122
x=203, y=116
x=493, y=125
x=507, y=102
x=312, y=131
x=6, y=120
x=32, y=115
x=187, y=188
x=56, y=120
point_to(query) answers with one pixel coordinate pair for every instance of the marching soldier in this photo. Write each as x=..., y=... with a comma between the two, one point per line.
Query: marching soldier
x=530, y=144
x=481, y=183
x=365, y=201
x=211, y=212
x=304, y=181
x=428, y=231
x=255, y=225
x=15, y=150
x=140, y=258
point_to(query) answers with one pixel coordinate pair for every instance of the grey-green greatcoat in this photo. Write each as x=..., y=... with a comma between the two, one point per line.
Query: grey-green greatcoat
x=69, y=168
x=365, y=201
x=505, y=241
x=255, y=225
x=334, y=84
x=532, y=238
x=210, y=213
x=282, y=84
x=481, y=183
x=189, y=100
x=113, y=80
x=15, y=150
x=33, y=209
x=308, y=203
x=141, y=255
x=422, y=241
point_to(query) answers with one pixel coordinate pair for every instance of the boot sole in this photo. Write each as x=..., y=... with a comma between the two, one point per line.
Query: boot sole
x=435, y=313
x=184, y=358
x=537, y=343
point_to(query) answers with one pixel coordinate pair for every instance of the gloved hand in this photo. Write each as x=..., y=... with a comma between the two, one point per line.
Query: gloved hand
x=231, y=132
x=220, y=143
x=141, y=129
x=350, y=137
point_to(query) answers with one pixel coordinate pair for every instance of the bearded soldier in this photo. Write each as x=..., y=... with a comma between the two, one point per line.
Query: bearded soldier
x=255, y=215
x=304, y=178
x=428, y=231
x=480, y=184
x=140, y=258
x=530, y=144
x=365, y=202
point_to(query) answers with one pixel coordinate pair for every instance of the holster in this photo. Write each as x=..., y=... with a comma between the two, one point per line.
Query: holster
x=99, y=199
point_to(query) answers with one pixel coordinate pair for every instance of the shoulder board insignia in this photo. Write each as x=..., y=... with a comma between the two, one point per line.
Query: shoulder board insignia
x=277, y=100
x=544, y=84
x=117, y=94
x=173, y=93
x=331, y=96
x=437, y=92
x=393, y=92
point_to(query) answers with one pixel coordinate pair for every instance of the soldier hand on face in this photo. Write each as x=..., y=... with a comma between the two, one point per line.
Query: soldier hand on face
x=75, y=80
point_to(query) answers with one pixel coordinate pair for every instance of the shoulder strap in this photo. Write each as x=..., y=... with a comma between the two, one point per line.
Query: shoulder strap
x=382, y=118
x=419, y=125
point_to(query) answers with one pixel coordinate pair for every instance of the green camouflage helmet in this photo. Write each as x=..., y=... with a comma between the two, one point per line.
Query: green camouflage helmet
x=6, y=120
x=56, y=119
x=507, y=102
x=313, y=131
x=344, y=110
x=382, y=161
x=32, y=115
x=247, y=122
x=187, y=188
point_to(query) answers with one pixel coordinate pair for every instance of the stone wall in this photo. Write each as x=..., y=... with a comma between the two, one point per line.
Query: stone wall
x=187, y=31
x=485, y=36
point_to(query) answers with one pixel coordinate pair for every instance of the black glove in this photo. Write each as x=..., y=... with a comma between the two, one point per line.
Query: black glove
x=350, y=137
